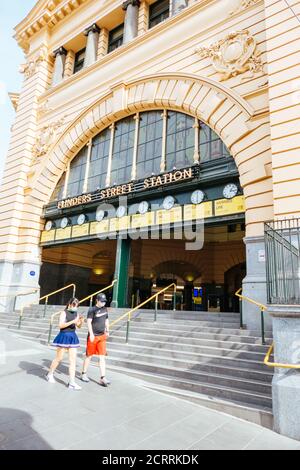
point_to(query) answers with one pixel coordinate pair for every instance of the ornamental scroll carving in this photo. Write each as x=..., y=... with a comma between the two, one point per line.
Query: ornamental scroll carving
x=236, y=54
x=243, y=4
x=30, y=68
x=46, y=138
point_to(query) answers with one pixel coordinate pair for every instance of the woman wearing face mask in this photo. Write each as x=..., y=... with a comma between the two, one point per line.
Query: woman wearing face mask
x=67, y=340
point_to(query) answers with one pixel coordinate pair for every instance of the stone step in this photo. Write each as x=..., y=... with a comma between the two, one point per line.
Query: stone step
x=194, y=366
x=202, y=350
x=247, y=412
x=149, y=327
x=230, y=382
x=155, y=342
x=226, y=347
x=150, y=373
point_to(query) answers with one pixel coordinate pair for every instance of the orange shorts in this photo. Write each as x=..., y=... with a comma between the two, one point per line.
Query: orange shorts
x=98, y=347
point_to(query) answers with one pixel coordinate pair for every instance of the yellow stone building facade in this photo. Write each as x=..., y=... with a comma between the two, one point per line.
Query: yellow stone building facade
x=231, y=64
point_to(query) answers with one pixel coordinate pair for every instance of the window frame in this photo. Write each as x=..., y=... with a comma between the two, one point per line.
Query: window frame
x=79, y=65
x=112, y=43
x=154, y=16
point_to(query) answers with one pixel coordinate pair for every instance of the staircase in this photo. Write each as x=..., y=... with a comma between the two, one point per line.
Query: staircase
x=198, y=356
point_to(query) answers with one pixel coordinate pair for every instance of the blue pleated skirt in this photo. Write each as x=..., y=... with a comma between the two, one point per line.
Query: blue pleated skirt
x=66, y=339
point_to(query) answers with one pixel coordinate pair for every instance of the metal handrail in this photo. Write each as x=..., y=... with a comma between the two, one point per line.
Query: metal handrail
x=262, y=307
x=56, y=292
x=22, y=294
x=56, y=314
x=277, y=364
x=98, y=292
x=155, y=296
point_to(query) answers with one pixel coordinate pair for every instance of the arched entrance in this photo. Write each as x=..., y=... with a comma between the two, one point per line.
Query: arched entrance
x=159, y=170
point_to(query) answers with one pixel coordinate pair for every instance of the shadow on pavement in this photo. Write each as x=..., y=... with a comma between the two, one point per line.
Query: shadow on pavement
x=17, y=433
x=41, y=370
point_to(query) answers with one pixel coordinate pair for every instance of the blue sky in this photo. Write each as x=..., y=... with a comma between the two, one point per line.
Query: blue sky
x=11, y=56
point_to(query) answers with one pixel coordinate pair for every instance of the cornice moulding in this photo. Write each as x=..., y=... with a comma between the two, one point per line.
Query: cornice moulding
x=60, y=9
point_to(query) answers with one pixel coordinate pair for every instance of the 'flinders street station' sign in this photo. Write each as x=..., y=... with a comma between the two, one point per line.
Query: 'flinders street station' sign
x=128, y=188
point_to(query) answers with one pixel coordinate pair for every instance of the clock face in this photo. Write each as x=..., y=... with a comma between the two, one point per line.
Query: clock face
x=143, y=207
x=100, y=215
x=81, y=219
x=48, y=225
x=64, y=223
x=230, y=191
x=197, y=197
x=168, y=203
x=121, y=211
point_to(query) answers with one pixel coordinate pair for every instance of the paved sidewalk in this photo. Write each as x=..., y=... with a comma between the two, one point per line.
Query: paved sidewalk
x=37, y=415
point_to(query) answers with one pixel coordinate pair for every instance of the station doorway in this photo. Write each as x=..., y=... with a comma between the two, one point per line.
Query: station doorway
x=206, y=279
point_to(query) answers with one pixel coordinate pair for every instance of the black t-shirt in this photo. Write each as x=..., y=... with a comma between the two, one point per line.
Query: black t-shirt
x=98, y=315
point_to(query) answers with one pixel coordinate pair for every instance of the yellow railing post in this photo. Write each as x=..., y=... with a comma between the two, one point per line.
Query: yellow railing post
x=91, y=297
x=262, y=307
x=80, y=302
x=129, y=314
x=46, y=297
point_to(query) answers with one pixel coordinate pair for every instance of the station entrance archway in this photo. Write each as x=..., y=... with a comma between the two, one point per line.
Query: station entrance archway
x=207, y=279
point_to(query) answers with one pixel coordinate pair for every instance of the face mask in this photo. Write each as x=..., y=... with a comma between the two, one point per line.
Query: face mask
x=73, y=309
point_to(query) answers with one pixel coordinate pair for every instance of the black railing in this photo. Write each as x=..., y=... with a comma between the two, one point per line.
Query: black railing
x=282, y=239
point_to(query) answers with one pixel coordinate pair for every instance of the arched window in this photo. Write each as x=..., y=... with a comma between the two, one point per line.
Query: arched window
x=144, y=144
x=180, y=141
x=77, y=174
x=211, y=146
x=99, y=161
x=123, y=151
x=149, y=144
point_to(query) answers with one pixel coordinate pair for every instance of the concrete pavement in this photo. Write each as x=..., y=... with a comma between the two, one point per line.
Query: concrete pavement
x=128, y=415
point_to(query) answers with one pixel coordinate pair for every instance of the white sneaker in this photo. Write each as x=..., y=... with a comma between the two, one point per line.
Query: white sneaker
x=75, y=387
x=50, y=378
x=104, y=382
x=85, y=378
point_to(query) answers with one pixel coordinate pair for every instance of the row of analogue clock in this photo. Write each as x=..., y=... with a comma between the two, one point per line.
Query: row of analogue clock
x=198, y=196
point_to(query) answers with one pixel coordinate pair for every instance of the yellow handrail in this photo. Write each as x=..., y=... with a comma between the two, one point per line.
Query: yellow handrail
x=277, y=364
x=261, y=306
x=98, y=292
x=59, y=290
x=56, y=314
x=129, y=314
x=21, y=293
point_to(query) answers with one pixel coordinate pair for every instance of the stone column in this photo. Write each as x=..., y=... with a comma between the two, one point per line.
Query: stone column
x=177, y=6
x=123, y=253
x=131, y=19
x=286, y=382
x=91, y=51
x=59, y=65
x=255, y=283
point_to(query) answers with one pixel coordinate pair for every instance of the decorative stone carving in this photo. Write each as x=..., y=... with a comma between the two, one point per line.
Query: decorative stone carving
x=46, y=138
x=236, y=54
x=30, y=68
x=43, y=109
x=243, y=4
